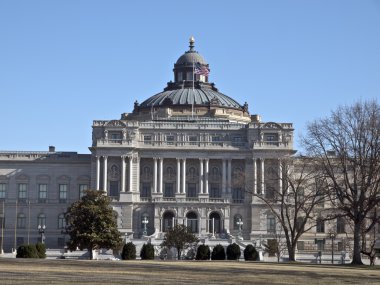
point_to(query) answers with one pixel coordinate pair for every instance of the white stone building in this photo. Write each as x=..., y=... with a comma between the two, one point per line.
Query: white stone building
x=189, y=154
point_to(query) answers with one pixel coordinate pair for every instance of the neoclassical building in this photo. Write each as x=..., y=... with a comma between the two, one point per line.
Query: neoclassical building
x=189, y=154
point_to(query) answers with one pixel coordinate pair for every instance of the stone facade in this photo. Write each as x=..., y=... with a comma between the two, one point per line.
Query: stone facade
x=189, y=155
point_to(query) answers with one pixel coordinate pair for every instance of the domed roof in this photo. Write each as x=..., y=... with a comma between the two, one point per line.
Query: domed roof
x=188, y=96
x=191, y=56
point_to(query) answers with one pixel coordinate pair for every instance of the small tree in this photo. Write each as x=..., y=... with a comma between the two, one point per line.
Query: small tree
x=41, y=250
x=27, y=251
x=250, y=253
x=218, y=253
x=233, y=252
x=91, y=223
x=203, y=252
x=129, y=251
x=179, y=237
x=147, y=251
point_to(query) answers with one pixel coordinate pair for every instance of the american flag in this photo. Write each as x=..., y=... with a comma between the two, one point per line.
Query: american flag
x=199, y=69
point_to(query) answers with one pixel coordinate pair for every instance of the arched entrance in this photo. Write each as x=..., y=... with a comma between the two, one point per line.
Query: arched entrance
x=192, y=222
x=215, y=225
x=167, y=221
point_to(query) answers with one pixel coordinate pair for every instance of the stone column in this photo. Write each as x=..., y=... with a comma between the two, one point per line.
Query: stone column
x=184, y=176
x=161, y=174
x=280, y=175
x=229, y=184
x=97, y=172
x=223, y=177
x=130, y=173
x=105, y=173
x=201, y=176
x=262, y=176
x=178, y=175
x=154, y=174
x=206, y=175
x=122, y=173
x=254, y=175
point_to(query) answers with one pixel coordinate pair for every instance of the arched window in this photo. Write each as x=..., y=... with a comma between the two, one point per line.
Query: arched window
x=21, y=221
x=215, y=223
x=170, y=172
x=340, y=225
x=168, y=221
x=61, y=221
x=192, y=222
x=238, y=219
x=41, y=220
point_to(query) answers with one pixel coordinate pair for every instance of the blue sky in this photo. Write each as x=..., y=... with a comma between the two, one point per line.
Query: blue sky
x=64, y=64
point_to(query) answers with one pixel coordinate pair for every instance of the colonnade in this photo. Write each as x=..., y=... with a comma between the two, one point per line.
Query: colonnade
x=158, y=171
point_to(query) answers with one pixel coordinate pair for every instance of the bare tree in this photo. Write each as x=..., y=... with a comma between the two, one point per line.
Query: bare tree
x=276, y=245
x=369, y=239
x=295, y=203
x=347, y=146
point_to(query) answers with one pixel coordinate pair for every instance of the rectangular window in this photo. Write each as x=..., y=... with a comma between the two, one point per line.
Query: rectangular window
x=114, y=188
x=215, y=191
x=62, y=193
x=169, y=190
x=216, y=140
x=189, y=76
x=42, y=193
x=147, y=139
x=191, y=190
x=320, y=244
x=169, y=139
x=193, y=140
x=271, y=224
x=179, y=76
x=145, y=190
x=238, y=195
x=22, y=188
x=300, y=245
x=21, y=221
x=82, y=190
x=320, y=226
x=115, y=137
x=2, y=190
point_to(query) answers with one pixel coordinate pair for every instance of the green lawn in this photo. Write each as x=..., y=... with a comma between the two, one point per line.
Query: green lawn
x=36, y=271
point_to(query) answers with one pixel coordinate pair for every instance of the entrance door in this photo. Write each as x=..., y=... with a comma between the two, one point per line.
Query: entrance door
x=168, y=220
x=215, y=223
x=192, y=222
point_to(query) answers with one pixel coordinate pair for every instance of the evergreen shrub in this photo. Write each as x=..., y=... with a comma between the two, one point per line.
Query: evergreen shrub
x=147, y=251
x=250, y=253
x=41, y=250
x=203, y=252
x=233, y=252
x=27, y=251
x=129, y=251
x=218, y=253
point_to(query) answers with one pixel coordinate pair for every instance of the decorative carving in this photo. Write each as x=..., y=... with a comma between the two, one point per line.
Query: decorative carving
x=272, y=125
x=115, y=123
x=114, y=173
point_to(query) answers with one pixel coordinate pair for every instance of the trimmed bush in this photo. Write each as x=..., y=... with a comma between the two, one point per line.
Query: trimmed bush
x=129, y=251
x=147, y=251
x=218, y=253
x=203, y=252
x=250, y=253
x=41, y=250
x=233, y=252
x=27, y=251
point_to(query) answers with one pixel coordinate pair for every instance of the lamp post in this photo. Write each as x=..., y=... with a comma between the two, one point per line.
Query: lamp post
x=240, y=224
x=41, y=231
x=332, y=236
x=145, y=222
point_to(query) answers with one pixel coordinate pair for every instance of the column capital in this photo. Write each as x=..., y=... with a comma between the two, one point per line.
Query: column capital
x=105, y=156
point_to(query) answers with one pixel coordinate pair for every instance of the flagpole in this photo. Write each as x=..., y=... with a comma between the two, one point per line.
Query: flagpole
x=2, y=229
x=192, y=103
x=28, y=220
x=15, y=241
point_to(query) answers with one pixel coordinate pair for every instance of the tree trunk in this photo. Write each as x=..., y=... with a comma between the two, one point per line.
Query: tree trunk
x=292, y=253
x=179, y=253
x=356, y=258
x=91, y=254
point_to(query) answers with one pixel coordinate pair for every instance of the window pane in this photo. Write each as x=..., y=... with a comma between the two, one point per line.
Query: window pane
x=2, y=190
x=22, y=191
x=62, y=191
x=82, y=189
x=42, y=191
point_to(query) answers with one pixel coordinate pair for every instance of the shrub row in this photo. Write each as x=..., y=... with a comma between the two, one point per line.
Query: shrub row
x=129, y=251
x=203, y=252
x=31, y=251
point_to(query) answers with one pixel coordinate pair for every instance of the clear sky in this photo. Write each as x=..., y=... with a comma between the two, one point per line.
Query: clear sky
x=66, y=63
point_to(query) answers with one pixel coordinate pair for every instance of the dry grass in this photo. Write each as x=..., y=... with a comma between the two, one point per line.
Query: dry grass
x=28, y=271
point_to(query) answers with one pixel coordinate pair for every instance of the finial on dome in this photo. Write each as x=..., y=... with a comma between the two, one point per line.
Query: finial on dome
x=191, y=41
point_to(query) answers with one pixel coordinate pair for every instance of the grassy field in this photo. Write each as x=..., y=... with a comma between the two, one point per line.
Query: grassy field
x=29, y=271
